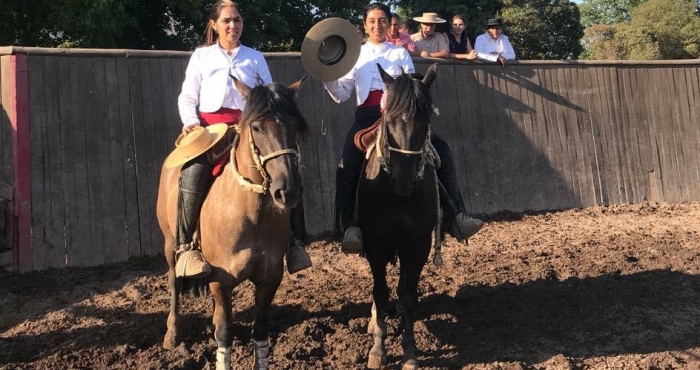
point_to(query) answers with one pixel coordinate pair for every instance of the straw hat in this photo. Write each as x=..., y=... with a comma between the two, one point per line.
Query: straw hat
x=330, y=49
x=196, y=142
x=429, y=18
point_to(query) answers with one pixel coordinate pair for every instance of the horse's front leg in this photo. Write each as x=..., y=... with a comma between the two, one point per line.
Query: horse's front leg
x=408, y=298
x=377, y=325
x=264, y=294
x=223, y=330
x=170, y=340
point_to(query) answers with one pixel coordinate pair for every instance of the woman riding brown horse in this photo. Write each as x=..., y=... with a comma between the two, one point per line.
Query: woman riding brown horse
x=244, y=223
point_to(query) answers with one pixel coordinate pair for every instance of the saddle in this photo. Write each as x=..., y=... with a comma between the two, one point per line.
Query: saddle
x=364, y=138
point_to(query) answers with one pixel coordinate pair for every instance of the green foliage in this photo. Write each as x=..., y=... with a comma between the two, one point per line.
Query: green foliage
x=607, y=11
x=658, y=29
x=270, y=25
x=543, y=29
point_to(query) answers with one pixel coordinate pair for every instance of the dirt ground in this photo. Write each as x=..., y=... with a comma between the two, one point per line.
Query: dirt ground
x=598, y=288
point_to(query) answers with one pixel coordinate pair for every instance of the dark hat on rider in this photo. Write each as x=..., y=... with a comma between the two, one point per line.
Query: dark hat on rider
x=195, y=143
x=330, y=49
x=494, y=22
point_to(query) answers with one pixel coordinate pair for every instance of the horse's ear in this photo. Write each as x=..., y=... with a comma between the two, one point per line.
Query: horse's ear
x=430, y=75
x=385, y=76
x=241, y=87
x=297, y=85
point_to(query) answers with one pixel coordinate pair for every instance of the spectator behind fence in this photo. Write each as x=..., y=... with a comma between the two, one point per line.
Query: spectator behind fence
x=493, y=45
x=398, y=38
x=405, y=27
x=430, y=44
x=460, y=47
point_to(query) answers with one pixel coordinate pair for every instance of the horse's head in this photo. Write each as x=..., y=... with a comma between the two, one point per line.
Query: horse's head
x=269, y=127
x=404, y=135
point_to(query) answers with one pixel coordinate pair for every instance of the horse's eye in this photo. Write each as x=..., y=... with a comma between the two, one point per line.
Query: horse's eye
x=256, y=128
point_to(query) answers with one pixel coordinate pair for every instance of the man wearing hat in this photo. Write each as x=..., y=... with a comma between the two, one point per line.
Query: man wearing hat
x=430, y=44
x=493, y=45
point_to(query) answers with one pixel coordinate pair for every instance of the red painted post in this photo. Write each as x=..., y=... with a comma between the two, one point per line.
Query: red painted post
x=22, y=160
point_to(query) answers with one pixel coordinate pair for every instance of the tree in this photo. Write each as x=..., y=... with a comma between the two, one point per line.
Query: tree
x=543, y=29
x=658, y=29
x=607, y=11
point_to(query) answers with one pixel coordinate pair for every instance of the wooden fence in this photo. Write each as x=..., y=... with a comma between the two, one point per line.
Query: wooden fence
x=537, y=135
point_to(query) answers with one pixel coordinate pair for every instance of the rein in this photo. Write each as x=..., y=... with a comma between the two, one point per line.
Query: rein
x=259, y=165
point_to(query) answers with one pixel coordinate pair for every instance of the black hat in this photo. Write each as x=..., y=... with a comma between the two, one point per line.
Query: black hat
x=494, y=22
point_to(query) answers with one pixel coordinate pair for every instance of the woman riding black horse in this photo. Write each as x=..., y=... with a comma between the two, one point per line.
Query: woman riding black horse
x=364, y=80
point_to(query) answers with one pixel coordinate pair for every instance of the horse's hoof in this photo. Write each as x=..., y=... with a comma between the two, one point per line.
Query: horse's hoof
x=410, y=365
x=376, y=361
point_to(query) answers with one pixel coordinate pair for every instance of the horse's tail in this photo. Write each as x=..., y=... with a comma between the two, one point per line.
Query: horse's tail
x=192, y=287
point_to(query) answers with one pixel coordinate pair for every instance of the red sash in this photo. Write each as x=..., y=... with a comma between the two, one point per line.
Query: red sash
x=373, y=99
x=224, y=115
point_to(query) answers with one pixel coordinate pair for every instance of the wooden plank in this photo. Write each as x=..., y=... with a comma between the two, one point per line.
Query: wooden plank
x=685, y=135
x=6, y=159
x=489, y=148
x=607, y=122
x=67, y=152
x=126, y=139
x=53, y=172
x=657, y=179
x=111, y=172
x=37, y=131
x=636, y=97
x=638, y=178
x=581, y=135
x=467, y=94
x=669, y=153
x=566, y=141
x=693, y=83
x=141, y=150
x=620, y=134
x=316, y=201
x=92, y=76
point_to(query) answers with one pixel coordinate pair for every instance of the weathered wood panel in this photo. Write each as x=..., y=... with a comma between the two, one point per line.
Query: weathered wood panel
x=533, y=136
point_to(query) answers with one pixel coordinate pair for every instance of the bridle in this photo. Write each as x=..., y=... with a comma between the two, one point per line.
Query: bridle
x=384, y=150
x=260, y=161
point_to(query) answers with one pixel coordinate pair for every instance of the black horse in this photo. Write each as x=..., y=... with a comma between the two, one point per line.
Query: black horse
x=397, y=205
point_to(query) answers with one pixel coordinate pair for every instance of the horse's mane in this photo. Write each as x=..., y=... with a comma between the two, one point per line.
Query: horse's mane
x=409, y=97
x=274, y=99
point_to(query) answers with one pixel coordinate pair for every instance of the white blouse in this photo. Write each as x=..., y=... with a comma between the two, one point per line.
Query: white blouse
x=364, y=76
x=208, y=85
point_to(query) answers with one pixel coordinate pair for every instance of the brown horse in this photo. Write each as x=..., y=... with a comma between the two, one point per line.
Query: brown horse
x=244, y=224
x=397, y=205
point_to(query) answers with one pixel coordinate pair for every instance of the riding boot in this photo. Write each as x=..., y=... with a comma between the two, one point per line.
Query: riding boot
x=297, y=258
x=346, y=188
x=195, y=179
x=455, y=218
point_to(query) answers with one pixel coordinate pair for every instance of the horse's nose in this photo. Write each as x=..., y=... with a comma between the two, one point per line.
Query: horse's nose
x=286, y=198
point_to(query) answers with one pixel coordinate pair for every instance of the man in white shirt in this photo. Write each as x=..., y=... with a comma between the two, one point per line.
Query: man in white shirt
x=493, y=45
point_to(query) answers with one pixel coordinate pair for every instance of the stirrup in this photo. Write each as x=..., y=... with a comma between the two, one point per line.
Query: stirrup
x=464, y=227
x=297, y=258
x=352, y=241
x=191, y=263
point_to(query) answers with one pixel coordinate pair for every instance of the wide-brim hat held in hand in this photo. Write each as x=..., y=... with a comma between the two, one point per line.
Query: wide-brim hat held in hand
x=330, y=49
x=195, y=143
x=429, y=18
x=492, y=22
